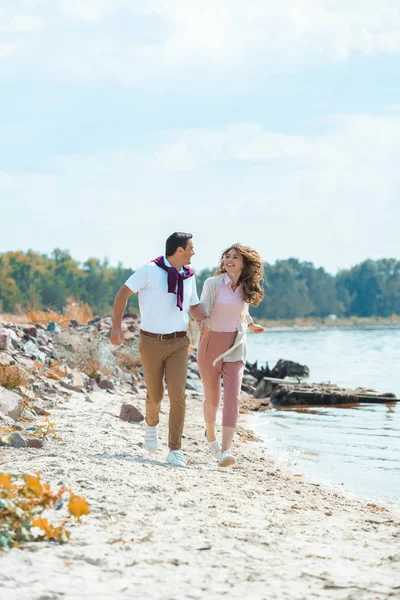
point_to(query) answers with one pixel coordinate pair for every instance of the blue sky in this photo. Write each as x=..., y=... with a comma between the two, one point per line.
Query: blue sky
x=273, y=124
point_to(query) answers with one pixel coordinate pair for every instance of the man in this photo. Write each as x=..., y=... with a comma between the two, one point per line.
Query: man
x=167, y=293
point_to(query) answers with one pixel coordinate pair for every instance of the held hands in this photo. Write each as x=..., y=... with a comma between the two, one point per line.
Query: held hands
x=256, y=328
x=116, y=336
x=204, y=326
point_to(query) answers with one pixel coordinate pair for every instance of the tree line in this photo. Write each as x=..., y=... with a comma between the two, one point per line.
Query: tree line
x=293, y=289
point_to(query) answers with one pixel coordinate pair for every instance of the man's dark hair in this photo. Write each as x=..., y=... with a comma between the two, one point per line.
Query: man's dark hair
x=175, y=241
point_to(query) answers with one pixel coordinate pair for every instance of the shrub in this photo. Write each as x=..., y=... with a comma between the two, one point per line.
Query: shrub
x=12, y=377
x=23, y=499
x=42, y=317
x=80, y=312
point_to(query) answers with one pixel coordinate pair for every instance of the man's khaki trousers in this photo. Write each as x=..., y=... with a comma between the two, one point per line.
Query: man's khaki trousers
x=169, y=358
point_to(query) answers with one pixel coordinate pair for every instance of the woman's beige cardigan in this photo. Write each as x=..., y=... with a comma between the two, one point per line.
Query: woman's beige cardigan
x=239, y=349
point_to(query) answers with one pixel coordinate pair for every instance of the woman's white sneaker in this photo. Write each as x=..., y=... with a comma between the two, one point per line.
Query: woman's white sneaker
x=151, y=438
x=175, y=458
x=227, y=459
x=214, y=448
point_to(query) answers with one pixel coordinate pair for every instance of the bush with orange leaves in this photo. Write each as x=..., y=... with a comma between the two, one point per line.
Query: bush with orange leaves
x=82, y=313
x=43, y=317
x=23, y=499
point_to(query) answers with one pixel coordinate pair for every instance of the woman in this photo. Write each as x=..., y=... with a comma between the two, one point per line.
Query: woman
x=222, y=348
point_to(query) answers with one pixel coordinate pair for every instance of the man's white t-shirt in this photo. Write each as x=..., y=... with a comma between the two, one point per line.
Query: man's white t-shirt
x=158, y=310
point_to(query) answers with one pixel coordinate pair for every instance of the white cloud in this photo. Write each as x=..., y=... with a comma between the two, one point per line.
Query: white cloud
x=19, y=22
x=332, y=197
x=198, y=39
x=7, y=49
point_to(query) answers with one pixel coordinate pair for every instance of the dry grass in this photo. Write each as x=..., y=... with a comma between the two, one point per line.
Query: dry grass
x=128, y=363
x=12, y=377
x=89, y=360
x=82, y=313
x=90, y=366
x=56, y=371
x=20, y=319
x=42, y=317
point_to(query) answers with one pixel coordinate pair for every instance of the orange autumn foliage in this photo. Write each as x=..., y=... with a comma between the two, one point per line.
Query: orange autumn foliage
x=23, y=498
x=82, y=313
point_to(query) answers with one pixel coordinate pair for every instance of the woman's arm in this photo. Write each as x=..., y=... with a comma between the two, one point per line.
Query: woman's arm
x=255, y=328
x=251, y=326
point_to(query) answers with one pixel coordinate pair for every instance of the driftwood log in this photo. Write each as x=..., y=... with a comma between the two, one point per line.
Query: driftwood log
x=320, y=394
x=282, y=369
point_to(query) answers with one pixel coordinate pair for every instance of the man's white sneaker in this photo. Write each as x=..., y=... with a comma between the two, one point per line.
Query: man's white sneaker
x=175, y=458
x=151, y=438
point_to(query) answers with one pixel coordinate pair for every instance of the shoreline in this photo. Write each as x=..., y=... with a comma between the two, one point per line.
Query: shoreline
x=162, y=533
x=321, y=327
x=284, y=463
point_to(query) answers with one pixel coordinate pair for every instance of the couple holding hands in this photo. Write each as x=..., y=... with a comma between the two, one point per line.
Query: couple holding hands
x=167, y=295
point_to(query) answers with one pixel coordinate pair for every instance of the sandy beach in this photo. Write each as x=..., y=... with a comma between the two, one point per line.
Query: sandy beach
x=158, y=532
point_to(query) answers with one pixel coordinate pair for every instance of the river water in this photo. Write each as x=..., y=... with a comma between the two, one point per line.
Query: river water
x=355, y=448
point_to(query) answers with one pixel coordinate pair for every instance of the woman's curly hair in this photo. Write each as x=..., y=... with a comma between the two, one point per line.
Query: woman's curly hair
x=252, y=274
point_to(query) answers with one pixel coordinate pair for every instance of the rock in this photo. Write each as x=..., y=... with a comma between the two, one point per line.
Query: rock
x=6, y=359
x=34, y=443
x=90, y=383
x=15, y=440
x=119, y=374
x=105, y=384
x=27, y=393
x=40, y=411
x=106, y=357
x=130, y=315
x=128, y=335
x=45, y=349
x=65, y=391
x=74, y=381
x=52, y=326
x=10, y=403
x=194, y=370
x=5, y=421
x=48, y=389
x=73, y=323
x=193, y=385
x=94, y=321
x=26, y=362
x=33, y=352
x=4, y=341
x=131, y=414
x=31, y=330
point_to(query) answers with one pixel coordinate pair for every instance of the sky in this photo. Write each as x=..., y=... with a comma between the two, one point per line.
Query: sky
x=273, y=124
